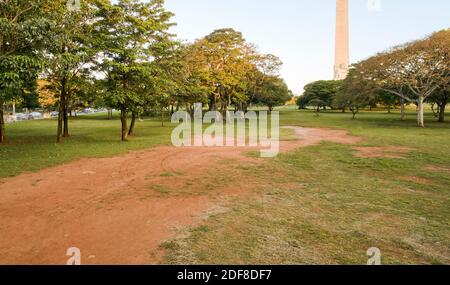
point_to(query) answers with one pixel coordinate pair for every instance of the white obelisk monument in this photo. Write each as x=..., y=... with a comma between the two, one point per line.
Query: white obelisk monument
x=342, y=53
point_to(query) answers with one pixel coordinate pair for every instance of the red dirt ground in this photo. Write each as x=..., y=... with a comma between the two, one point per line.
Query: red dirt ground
x=119, y=210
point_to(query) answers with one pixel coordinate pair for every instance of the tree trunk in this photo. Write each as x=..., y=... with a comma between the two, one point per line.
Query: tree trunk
x=59, y=128
x=132, y=124
x=435, y=114
x=123, y=120
x=2, y=124
x=66, y=118
x=420, y=113
x=224, y=110
x=245, y=107
x=62, y=109
x=110, y=114
x=355, y=112
x=389, y=109
x=442, y=113
x=402, y=109
x=211, y=103
x=162, y=117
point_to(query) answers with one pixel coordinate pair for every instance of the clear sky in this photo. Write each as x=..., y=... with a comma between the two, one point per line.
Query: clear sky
x=301, y=32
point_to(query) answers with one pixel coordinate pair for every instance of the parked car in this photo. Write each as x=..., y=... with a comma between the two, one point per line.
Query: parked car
x=54, y=114
x=35, y=115
x=21, y=117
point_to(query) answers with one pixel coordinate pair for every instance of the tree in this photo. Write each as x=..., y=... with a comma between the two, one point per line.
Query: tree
x=132, y=33
x=224, y=58
x=167, y=77
x=23, y=32
x=354, y=92
x=441, y=98
x=191, y=78
x=302, y=102
x=321, y=93
x=387, y=99
x=420, y=67
x=263, y=72
x=69, y=55
x=273, y=92
x=47, y=95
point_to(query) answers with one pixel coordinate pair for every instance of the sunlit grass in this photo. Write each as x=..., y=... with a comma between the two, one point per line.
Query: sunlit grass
x=312, y=206
x=322, y=205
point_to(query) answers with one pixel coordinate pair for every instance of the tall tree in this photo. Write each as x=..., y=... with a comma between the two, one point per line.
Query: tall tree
x=132, y=34
x=23, y=31
x=441, y=98
x=420, y=68
x=71, y=52
x=264, y=68
x=354, y=93
x=322, y=93
x=226, y=59
x=273, y=92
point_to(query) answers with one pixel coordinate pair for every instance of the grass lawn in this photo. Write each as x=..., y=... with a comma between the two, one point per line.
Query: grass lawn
x=318, y=205
x=31, y=145
x=322, y=205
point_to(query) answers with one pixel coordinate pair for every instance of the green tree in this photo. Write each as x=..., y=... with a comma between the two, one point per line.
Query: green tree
x=264, y=68
x=354, y=93
x=23, y=32
x=321, y=93
x=70, y=53
x=132, y=34
x=273, y=92
x=441, y=98
x=387, y=99
x=302, y=102
x=414, y=71
x=225, y=58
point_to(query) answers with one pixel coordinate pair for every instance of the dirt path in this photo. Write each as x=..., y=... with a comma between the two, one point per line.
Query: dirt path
x=118, y=210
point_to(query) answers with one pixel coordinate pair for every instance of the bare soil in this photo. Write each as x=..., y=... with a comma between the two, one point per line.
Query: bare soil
x=119, y=210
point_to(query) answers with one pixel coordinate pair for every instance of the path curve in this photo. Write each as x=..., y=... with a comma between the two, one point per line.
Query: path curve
x=119, y=210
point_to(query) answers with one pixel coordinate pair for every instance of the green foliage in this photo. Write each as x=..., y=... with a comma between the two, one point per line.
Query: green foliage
x=135, y=44
x=421, y=67
x=272, y=92
x=319, y=94
x=354, y=93
x=23, y=31
x=229, y=71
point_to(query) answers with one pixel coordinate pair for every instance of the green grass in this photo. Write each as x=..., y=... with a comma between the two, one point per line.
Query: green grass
x=30, y=145
x=322, y=205
x=318, y=205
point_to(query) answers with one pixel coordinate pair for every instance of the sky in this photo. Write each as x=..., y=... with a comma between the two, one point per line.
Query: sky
x=301, y=32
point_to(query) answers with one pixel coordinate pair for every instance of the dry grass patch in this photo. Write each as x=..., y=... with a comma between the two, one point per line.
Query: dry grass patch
x=382, y=152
